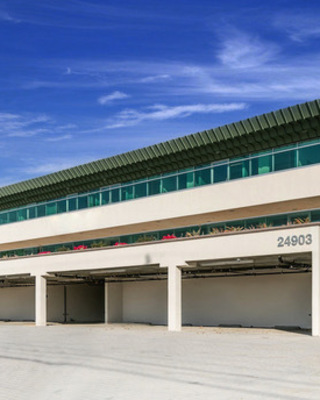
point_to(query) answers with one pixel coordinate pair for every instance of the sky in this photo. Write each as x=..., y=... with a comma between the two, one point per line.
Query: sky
x=82, y=80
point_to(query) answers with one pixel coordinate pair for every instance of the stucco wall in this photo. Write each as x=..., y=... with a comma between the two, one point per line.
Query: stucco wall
x=263, y=301
x=84, y=303
x=145, y=302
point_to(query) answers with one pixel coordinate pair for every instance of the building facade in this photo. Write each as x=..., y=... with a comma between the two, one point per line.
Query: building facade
x=216, y=228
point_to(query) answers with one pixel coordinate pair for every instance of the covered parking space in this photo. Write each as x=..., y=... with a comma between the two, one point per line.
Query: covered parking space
x=263, y=291
x=254, y=278
x=66, y=300
x=132, y=294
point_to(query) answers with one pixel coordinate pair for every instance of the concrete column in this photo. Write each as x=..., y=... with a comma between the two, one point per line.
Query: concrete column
x=112, y=302
x=174, y=298
x=316, y=287
x=41, y=301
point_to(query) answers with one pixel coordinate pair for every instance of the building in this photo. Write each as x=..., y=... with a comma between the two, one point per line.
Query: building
x=216, y=228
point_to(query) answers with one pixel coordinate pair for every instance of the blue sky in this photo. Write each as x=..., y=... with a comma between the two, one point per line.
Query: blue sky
x=82, y=80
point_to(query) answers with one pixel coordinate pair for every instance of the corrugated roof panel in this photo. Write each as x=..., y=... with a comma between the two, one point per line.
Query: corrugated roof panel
x=185, y=148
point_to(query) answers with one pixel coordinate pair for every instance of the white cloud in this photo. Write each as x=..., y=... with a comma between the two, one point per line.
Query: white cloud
x=110, y=98
x=239, y=50
x=299, y=26
x=155, y=78
x=7, y=17
x=23, y=125
x=159, y=112
x=58, y=138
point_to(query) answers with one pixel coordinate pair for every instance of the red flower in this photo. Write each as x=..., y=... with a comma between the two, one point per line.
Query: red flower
x=80, y=247
x=44, y=252
x=169, y=237
x=119, y=244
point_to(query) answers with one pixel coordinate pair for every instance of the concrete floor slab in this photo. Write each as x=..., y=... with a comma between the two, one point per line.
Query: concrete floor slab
x=146, y=362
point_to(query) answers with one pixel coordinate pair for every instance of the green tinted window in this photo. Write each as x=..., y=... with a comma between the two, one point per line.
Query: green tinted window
x=239, y=169
x=277, y=220
x=94, y=200
x=105, y=197
x=154, y=186
x=140, y=190
x=261, y=165
x=169, y=184
x=3, y=218
x=220, y=173
x=127, y=193
x=202, y=177
x=32, y=212
x=51, y=208
x=61, y=206
x=41, y=210
x=309, y=155
x=22, y=214
x=185, y=180
x=285, y=160
x=82, y=202
x=115, y=195
x=72, y=204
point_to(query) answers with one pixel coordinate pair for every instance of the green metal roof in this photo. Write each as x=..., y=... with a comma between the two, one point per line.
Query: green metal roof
x=285, y=126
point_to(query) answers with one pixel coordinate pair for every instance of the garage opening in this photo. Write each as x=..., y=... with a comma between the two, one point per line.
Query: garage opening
x=126, y=295
x=269, y=291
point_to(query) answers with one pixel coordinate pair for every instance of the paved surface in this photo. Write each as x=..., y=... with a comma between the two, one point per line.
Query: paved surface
x=148, y=363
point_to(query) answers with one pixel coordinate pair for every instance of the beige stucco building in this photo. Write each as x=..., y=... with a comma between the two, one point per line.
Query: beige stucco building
x=216, y=228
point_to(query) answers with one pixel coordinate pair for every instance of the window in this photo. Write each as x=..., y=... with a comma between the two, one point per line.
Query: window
x=220, y=173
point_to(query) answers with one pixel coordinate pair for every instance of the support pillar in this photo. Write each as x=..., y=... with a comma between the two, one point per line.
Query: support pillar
x=174, y=298
x=41, y=301
x=113, y=300
x=316, y=288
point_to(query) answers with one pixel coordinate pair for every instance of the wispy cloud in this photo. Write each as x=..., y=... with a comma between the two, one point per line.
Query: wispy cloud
x=23, y=125
x=159, y=112
x=155, y=78
x=110, y=98
x=299, y=26
x=239, y=50
x=58, y=138
x=4, y=16
x=27, y=125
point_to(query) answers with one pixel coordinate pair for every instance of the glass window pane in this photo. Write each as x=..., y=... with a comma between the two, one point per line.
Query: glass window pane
x=185, y=181
x=3, y=218
x=285, y=160
x=94, y=200
x=32, y=212
x=51, y=208
x=315, y=216
x=154, y=187
x=256, y=223
x=127, y=193
x=72, y=204
x=41, y=210
x=82, y=202
x=105, y=197
x=12, y=216
x=309, y=155
x=261, y=165
x=220, y=173
x=202, y=177
x=115, y=195
x=299, y=218
x=169, y=184
x=22, y=214
x=61, y=206
x=239, y=169
x=140, y=190
x=277, y=220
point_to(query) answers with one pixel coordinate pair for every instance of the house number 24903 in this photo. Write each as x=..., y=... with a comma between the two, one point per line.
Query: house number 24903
x=294, y=240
